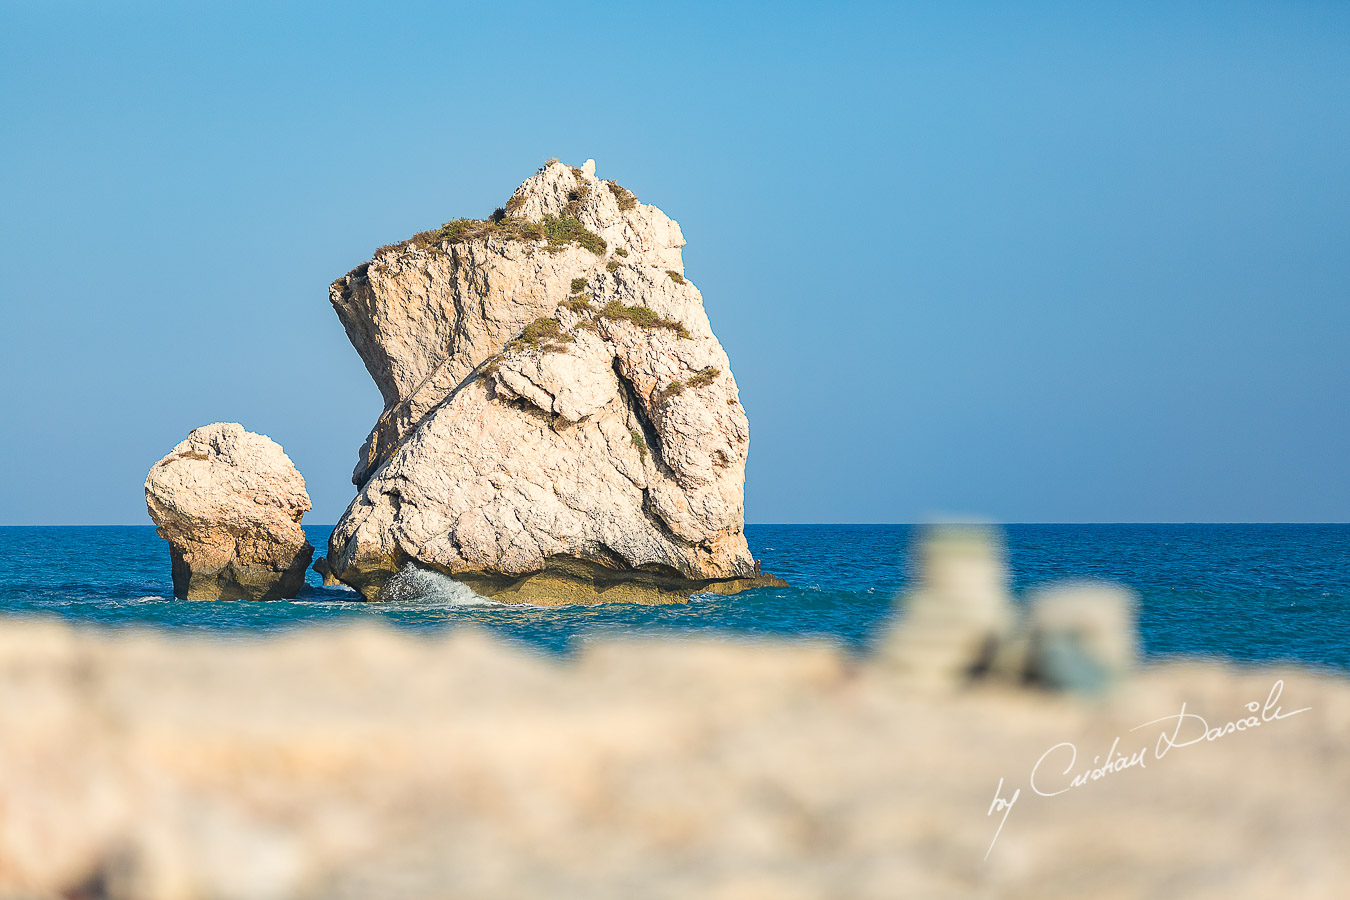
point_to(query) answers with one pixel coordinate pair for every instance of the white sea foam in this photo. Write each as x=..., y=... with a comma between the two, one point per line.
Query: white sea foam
x=425, y=587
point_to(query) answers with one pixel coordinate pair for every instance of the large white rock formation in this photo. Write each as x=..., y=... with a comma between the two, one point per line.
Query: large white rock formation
x=560, y=422
x=229, y=502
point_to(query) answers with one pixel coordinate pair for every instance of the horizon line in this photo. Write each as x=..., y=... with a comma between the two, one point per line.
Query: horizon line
x=986, y=522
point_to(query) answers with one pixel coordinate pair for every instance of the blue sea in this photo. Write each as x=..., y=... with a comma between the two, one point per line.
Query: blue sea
x=1243, y=592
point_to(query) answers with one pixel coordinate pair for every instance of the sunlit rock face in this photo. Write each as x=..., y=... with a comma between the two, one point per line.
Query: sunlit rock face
x=561, y=424
x=229, y=502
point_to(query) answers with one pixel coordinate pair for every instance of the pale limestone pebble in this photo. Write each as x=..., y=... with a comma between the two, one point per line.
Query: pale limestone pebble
x=960, y=624
x=574, y=452
x=362, y=762
x=958, y=613
x=229, y=502
x=1081, y=636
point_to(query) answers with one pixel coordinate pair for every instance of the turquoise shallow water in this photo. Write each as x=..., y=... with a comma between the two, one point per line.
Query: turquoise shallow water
x=1250, y=592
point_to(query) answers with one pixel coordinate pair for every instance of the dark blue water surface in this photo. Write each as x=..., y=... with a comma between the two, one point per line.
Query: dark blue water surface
x=1250, y=592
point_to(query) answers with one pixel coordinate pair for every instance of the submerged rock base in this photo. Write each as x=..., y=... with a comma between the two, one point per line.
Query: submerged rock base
x=570, y=582
x=563, y=582
x=237, y=580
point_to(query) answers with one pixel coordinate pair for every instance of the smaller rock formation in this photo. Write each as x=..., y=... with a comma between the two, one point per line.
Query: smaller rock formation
x=229, y=502
x=961, y=625
x=959, y=615
x=1081, y=637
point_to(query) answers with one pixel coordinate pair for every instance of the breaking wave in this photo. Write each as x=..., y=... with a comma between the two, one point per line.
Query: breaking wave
x=425, y=587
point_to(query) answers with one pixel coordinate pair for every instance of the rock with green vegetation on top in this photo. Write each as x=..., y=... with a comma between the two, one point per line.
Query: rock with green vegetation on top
x=519, y=370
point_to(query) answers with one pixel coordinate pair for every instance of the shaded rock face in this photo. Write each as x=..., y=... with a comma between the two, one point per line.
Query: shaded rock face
x=229, y=502
x=560, y=422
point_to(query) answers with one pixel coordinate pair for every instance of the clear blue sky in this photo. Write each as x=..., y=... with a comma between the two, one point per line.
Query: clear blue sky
x=1069, y=262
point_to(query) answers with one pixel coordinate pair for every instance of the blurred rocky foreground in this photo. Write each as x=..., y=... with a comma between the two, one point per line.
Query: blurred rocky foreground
x=365, y=763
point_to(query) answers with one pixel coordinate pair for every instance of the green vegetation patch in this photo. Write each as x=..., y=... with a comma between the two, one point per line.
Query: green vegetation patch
x=621, y=251
x=450, y=233
x=541, y=334
x=704, y=377
x=577, y=196
x=624, y=196
x=612, y=265
x=578, y=285
x=557, y=231
x=641, y=316
x=675, y=276
x=639, y=442
x=567, y=230
x=579, y=304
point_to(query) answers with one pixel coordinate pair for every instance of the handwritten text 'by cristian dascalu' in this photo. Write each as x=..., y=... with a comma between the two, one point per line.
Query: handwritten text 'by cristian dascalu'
x=1051, y=774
